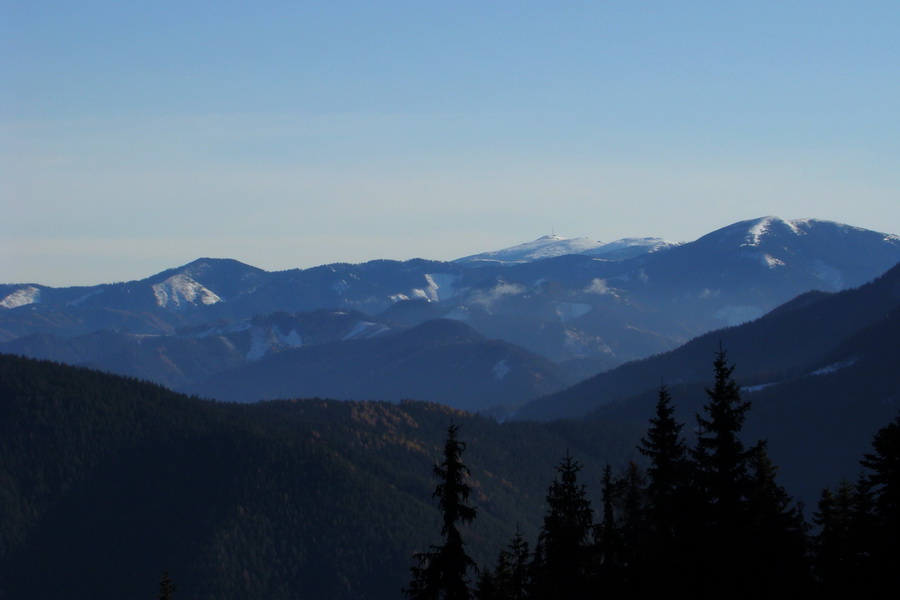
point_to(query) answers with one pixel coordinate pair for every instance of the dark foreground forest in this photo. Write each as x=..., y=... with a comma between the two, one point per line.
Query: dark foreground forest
x=108, y=483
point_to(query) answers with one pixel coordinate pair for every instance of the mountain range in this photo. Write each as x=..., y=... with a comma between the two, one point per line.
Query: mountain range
x=513, y=325
x=819, y=371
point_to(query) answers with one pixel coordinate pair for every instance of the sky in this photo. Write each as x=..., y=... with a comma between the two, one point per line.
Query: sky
x=139, y=136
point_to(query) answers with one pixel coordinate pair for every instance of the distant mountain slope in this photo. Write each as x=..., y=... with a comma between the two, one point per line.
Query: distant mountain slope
x=550, y=246
x=195, y=353
x=820, y=371
x=438, y=361
x=797, y=338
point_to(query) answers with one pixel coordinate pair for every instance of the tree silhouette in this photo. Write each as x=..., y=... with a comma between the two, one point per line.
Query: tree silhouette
x=441, y=573
x=881, y=488
x=166, y=589
x=670, y=499
x=563, y=550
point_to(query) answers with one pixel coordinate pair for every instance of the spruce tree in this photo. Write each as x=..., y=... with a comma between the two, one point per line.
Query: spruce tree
x=608, y=538
x=511, y=578
x=881, y=488
x=837, y=546
x=777, y=545
x=670, y=499
x=720, y=457
x=721, y=476
x=668, y=472
x=562, y=558
x=751, y=539
x=166, y=589
x=442, y=573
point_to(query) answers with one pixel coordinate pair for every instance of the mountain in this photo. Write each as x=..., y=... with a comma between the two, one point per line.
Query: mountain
x=191, y=354
x=438, y=361
x=108, y=482
x=564, y=300
x=820, y=372
x=550, y=246
x=797, y=338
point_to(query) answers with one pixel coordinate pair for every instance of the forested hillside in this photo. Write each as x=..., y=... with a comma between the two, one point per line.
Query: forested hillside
x=108, y=482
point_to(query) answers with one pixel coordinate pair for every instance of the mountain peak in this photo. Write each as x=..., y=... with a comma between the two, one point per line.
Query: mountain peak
x=548, y=246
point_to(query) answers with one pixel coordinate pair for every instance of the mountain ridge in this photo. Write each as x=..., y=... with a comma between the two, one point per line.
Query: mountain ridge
x=584, y=313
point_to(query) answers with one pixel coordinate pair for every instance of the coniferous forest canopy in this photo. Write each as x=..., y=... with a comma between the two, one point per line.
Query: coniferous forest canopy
x=109, y=483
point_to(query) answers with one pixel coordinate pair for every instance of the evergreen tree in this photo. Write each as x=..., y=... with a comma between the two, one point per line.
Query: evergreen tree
x=609, y=539
x=777, y=545
x=562, y=557
x=441, y=573
x=881, y=488
x=664, y=562
x=722, y=480
x=720, y=457
x=668, y=471
x=837, y=546
x=166, y=589
x=511, y=578
x=745, y=518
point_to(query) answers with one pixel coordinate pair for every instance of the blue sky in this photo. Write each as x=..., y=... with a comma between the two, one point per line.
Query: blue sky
x=137, y=136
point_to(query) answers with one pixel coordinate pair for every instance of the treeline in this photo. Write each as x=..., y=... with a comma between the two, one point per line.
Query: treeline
x=705, y=520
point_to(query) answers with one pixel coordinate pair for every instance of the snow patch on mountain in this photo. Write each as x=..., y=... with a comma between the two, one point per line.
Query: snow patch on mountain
x=764, y=225
x=80, y=300
x=770, y=261
x=21, y=297
x=551, y=246
x=598, y=286
x=571, y=310
x=460, y=313
x=630, y=247
x=180, y=290
x=259, y=345
x=262, y=340
x=439, y=286
x=735, y=315
x=757, y=388
x=835, y=366
x=500, y=370
x=489, y=297
x=341, y=287
x=547, y=246
x=365, y=329
x=829, y=275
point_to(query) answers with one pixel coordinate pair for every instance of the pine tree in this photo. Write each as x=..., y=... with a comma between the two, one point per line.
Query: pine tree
x=562, y=557
x=442, y=572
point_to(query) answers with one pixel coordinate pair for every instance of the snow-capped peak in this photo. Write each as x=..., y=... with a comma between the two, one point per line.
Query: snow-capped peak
x=628, y=247
x=766, y=224
x=547, y=246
